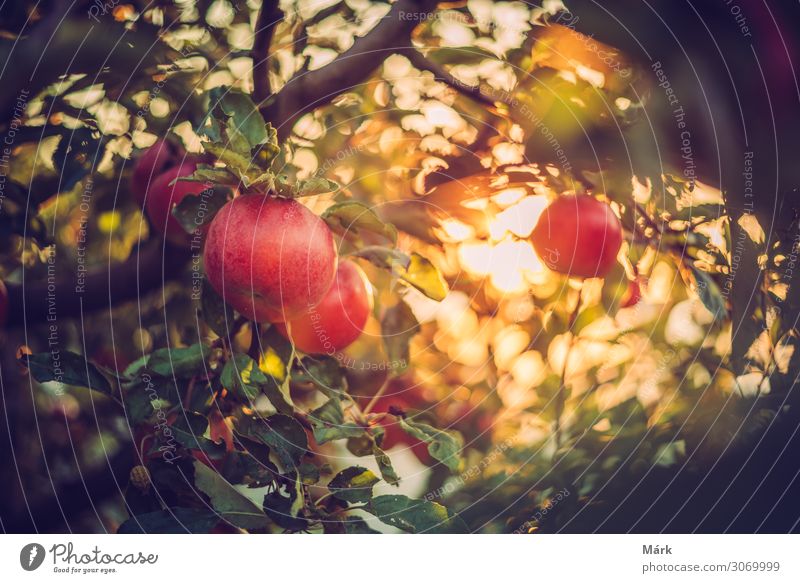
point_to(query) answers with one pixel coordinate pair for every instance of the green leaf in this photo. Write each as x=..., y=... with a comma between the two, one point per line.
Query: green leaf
x=231, y=504
x=283, y=187
x=147, y=394
x=416, y=516
x=244, y=117
x=361, y=446
x=189, y=430
x=209, y=174
x=329, y=425
x=67, y=368
x=415, y=270
x=135, y=367
x=285, y=502
x=242, y=377
x=350, y=218
x=324, y=372
x=398, y=326
x=385, y=466
x=444, y=446
x=245, y=468
x=195, y=211
x=425, y=277
x=236, y=139
x=357, y=525
x=178, y=362
x=171, y=521
x=332, y=433
x=392, y=259
x=309, y=473
x=247, y=379
x=216, y=312
x=276, y=362
x=314, y=186
x=283, y=434
x=138, y=404
x=709, y=293
x=353, y=485
x=467, y=55
x=240, y=165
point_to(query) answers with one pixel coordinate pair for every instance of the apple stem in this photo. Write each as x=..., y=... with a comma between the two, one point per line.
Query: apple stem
x=376, y=396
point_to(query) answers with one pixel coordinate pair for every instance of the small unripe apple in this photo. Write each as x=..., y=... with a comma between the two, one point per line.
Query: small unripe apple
x=338, y=320
x=270, y=258
x=150, y=164
x=578, y=236
x=162, y=197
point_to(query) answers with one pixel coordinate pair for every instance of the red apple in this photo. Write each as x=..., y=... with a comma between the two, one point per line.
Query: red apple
x=578, y=236
x=270, y=258
x=151, y=164
x=338, y=320
x=161, y=198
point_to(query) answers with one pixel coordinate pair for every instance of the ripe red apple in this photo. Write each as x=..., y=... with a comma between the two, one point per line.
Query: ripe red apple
x=151, y=164
x=579, y=236
x=338, y=320
x=270, y=258
x=3, y=303
x=161, y=198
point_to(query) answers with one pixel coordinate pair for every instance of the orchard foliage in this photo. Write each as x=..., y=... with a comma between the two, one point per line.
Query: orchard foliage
x=488, y=377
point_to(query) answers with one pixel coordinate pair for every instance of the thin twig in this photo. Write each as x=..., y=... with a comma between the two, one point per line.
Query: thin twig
x=376, y=396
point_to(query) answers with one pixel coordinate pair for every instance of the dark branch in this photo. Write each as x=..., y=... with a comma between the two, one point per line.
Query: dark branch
x=421, y=62
x=317, y=88
x=144, y=271
x=268, y=17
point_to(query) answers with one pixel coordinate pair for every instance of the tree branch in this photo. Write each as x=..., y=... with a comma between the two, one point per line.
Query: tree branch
x=421, y=62
x=149, y=269
x=268, y=17
x=317, y=88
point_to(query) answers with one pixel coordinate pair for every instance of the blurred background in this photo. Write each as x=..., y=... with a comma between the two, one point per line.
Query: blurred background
x=680, y=411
